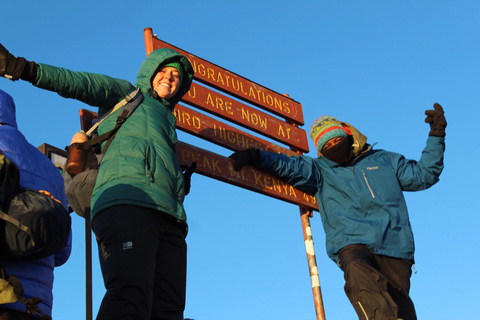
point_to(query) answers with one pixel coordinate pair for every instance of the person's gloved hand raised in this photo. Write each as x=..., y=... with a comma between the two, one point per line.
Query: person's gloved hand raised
x=437, y=121
x=187, y=176
x=249, y=157
x=14, y=68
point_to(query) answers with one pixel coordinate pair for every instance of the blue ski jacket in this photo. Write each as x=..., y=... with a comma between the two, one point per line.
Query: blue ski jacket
x=36, y=172
x=363, y=203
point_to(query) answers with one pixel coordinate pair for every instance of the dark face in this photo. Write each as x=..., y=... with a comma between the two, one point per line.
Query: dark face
x=339, y=149
x=332, y=142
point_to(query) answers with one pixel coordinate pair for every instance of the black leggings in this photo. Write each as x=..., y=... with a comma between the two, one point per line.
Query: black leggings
x=377, y=286
x=143, y=257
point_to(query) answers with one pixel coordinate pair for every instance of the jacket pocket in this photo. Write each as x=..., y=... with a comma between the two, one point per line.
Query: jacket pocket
x=368, y=184
x=150, y=163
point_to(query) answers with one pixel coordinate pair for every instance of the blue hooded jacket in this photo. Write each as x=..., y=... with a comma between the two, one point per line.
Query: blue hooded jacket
x=363, y=203
x=36, y=172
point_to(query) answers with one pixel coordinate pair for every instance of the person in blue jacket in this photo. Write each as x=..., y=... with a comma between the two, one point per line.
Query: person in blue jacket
x=39, y=173
x=359, y=191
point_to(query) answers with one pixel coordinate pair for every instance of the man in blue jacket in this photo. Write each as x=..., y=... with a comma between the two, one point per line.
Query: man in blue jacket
x=360, y=195
x=39, y=173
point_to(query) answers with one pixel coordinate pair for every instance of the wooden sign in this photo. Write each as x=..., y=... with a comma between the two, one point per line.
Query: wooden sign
x=244, y=103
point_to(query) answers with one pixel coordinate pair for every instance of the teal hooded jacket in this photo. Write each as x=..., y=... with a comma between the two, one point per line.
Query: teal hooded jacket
x=140, y=167
x=362, y=203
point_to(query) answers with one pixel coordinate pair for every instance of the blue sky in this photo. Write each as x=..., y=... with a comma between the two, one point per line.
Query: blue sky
x=376, y=64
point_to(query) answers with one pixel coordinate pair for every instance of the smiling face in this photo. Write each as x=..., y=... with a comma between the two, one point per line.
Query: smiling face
x=166, y=82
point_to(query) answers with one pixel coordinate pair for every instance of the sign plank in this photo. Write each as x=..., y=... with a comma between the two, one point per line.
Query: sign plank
x=222, y=134
x=221, y=168
x=246, y=116
x=231, y=83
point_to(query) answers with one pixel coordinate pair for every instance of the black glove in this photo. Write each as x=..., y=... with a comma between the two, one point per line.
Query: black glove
x=249, y=157
x=14, y=68
x=187, y=176
x=437, y=121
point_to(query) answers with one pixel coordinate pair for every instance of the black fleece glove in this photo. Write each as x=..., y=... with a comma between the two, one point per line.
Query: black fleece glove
x=249, y=157
x=14, y=68
x=187, y=176
x=437, y=121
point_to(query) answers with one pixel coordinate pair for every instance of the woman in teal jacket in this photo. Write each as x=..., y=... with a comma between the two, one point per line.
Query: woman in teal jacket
x=364, y=214
x=137, y=204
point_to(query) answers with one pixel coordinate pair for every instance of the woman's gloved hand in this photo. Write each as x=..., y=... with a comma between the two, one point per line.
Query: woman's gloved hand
x=14, y=68
x=187, y=176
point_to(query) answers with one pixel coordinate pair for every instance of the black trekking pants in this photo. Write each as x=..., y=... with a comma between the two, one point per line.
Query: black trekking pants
x=6, y=314
x=143, y=258
x=377, y=286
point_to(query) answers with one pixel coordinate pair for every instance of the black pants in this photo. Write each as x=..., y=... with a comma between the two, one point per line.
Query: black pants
x=6, y=314
x=377, y=286
x=143, y=257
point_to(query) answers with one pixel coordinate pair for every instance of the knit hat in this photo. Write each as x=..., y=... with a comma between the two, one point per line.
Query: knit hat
x=177, y=65
x=324, y=129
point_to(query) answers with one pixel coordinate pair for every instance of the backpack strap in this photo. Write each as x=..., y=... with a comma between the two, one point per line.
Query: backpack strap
x=127, y=111
x=16, y=223
x=129, y=104
x=131, y=96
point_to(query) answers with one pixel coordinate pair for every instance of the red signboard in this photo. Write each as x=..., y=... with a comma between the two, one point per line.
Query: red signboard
x=236, y=100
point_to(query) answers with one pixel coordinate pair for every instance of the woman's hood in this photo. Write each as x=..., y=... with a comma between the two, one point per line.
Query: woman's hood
x=150, y=66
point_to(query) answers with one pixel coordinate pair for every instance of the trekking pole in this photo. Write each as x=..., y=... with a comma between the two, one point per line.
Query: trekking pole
x=312, y=262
